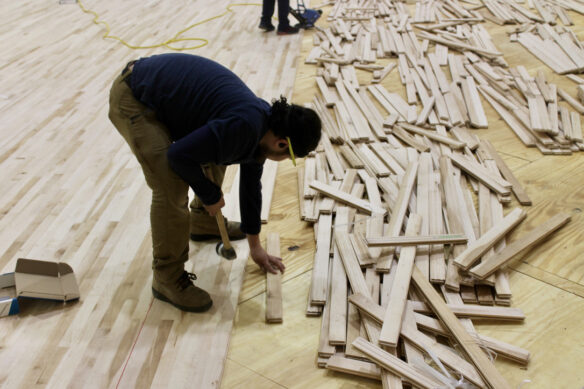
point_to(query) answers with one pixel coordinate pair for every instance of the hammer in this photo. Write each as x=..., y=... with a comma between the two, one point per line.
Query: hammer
x=224, y=247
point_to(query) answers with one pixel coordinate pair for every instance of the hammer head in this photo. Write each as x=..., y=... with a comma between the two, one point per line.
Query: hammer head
x=229, y=254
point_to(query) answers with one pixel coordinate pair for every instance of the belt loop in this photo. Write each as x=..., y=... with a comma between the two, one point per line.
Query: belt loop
x=127, y=72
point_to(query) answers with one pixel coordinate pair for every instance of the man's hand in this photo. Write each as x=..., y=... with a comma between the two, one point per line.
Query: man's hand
x=266, y=262
x=214, y=208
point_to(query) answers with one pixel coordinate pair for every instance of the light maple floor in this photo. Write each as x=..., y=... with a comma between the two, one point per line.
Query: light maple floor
x=72, y=192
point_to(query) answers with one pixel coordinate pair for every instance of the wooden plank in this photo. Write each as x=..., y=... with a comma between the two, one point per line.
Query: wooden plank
x=328, y=96
x=389, y=161
x=448, y=357
x=408, y=139
x=354, y=367
x=372, y=161
x=504, y=349
x=320, y=270
x=497, y=185
x=399, y=289
x=423, y=115
x=375, y=222
x=468, y=294
x=485, y=295
x=572, y=101
x=518, y=128
x=576, y=127
x=516, y=186
x=394, y=364
x=268, y=181
x=350, y=262
x=376, y=312
x=338, y=302
x=274, y=311
x=354, y=326
x=455, y=144
x=309, y=176
x=463, y=135
x=325, y=349
x=351, y=157
x=475, y=311
x=383, y=73
x=526, y=242
x=417, y=240
x=346, y=198
x=399, y=211
x=489, y=238
x=436, y=226
x=476, y=113
x=484, y=366
x=440, y=77
x=459, y=45
x=456, y=116
x=301, y=199
x=395, y=100
x=332, y=158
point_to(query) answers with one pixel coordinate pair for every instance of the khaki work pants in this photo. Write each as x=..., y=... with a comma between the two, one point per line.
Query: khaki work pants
x=170, y=218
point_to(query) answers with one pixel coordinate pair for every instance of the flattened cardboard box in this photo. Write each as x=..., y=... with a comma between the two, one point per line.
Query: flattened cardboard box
x=38, y=279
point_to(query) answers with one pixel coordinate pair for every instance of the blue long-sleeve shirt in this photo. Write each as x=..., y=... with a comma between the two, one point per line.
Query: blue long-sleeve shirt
x=212, y=117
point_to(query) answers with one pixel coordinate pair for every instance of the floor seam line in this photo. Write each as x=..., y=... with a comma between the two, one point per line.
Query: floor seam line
x=258, y=373
x=548, y=283
x=263, y=292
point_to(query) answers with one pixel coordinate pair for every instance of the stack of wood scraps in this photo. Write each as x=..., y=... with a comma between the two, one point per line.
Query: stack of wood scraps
x=559, y=47
x=532, y=109
x=407, y=203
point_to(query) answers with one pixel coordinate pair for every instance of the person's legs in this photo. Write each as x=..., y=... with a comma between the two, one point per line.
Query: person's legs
x=169, y=215
x=203, y=225
x=284, y=26
x=283, y=11
x=267, y=13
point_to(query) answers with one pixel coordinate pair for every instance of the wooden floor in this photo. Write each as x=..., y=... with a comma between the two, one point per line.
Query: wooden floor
x=71, y=191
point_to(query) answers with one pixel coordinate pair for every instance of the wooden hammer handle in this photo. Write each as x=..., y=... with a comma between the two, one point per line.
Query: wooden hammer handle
x=219, y=215
x=223, y=230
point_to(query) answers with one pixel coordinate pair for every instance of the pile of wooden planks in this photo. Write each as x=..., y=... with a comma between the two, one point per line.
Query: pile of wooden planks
x=369, y=261
x=532, y=109
x=559, y=48
x=507, y=12
x=406, y=200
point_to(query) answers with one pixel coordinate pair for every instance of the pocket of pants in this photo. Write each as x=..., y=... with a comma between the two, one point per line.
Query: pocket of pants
x=149, y=143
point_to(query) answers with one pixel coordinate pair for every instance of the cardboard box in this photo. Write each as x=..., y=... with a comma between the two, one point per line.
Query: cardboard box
x=38, y=279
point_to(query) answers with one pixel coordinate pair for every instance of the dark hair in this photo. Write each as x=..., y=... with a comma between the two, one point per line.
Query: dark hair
x=302, y=125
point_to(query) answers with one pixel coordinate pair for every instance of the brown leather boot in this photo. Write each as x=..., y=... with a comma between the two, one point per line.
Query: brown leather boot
x=182, y=293
x=204, y=227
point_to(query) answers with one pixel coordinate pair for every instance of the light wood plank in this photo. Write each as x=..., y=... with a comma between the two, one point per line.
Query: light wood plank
x=274, y=310
x=484, y=366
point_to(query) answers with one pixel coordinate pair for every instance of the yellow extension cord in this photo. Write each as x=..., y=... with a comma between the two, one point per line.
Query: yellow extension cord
x=168, y=42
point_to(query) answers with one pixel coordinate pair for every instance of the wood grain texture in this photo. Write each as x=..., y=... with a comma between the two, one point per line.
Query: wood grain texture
x=274, y=312
x=484, y=366
x=78, y=195
x=74, y=193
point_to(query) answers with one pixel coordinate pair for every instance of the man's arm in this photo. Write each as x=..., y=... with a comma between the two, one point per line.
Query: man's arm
x=185, y=158
x=250, y=201
x=266, y=262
